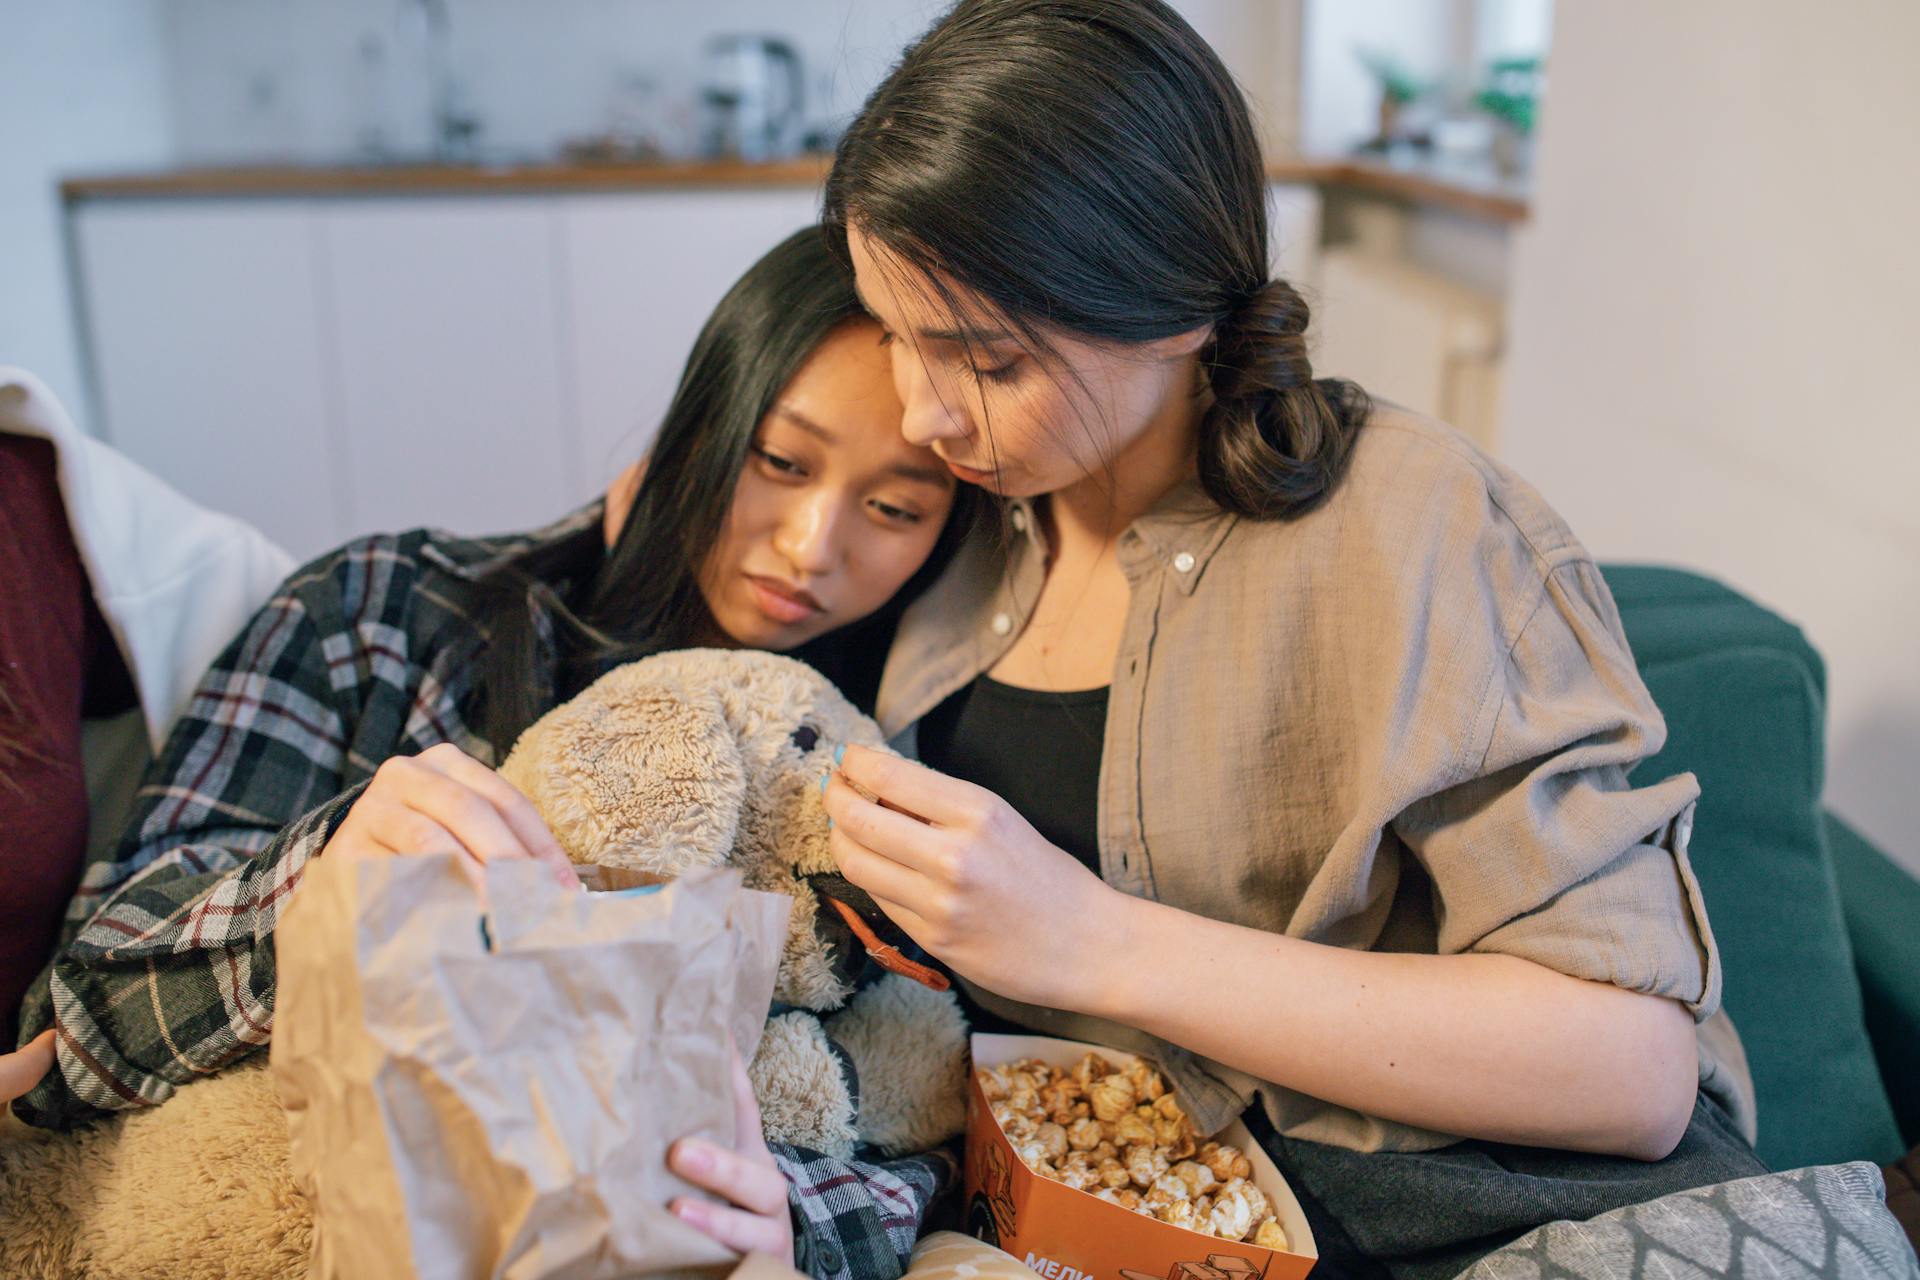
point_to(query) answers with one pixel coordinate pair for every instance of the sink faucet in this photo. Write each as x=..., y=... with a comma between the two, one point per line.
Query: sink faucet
x=452, y=129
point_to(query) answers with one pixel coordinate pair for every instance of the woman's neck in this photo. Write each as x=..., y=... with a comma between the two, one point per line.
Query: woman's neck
x=1088, y=517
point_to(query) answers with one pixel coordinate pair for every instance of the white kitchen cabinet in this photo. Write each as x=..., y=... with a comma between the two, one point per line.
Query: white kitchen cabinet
x=447, y=333
x=205, y=335
x=642, y=272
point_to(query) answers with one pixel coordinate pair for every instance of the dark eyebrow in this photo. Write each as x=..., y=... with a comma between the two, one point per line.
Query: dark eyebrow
x=808, y=425
x=984, y=338
x=936, y=476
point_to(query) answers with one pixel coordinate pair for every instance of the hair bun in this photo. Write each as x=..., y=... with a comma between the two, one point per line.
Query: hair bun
x=1261, y=347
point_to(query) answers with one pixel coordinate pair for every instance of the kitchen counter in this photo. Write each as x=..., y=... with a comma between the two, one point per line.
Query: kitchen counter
x=443, y=179
x=1470, y=188
x=1462, y=190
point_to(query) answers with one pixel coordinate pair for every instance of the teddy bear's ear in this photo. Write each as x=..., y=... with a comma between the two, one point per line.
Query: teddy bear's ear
x=637, y=771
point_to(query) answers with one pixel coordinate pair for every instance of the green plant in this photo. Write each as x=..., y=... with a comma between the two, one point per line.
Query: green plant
x=1397, y=84
x=1512, y=91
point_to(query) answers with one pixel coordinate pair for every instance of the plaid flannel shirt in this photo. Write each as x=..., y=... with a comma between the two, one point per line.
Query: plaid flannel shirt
x=166, y=969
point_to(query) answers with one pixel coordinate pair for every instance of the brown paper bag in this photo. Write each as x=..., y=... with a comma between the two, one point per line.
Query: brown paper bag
x=492, y=1093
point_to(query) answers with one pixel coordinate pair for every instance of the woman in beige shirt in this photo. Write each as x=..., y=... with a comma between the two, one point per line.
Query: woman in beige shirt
x=1353, y=834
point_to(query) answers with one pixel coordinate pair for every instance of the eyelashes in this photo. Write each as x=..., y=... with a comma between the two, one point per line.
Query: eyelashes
x=968, y=369
x=1003, y=373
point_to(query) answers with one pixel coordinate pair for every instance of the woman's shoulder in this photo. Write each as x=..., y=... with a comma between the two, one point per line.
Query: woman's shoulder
x=1404, y=458
x=1424, y=525
x=384, y=576
x=1417, y=490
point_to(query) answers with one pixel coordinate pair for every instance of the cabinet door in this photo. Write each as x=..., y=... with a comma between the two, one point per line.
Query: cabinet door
x=445, y=321
x=208, y=356
x=642, y=273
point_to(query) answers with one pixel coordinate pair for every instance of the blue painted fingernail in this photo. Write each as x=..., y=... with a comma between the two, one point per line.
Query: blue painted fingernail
x=840, y=754
x=825, y=778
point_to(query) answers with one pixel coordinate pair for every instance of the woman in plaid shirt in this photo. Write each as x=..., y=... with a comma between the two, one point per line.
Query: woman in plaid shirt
x=359, y=712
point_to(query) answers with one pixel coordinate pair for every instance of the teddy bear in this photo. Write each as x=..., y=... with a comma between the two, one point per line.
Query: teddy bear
x=706, y=756
x=684, y=759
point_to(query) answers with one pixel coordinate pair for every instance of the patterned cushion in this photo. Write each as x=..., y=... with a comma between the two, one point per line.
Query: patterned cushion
x=1828, y=1221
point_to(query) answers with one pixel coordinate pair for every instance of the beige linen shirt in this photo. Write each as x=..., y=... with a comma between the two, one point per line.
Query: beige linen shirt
x=1403, y=722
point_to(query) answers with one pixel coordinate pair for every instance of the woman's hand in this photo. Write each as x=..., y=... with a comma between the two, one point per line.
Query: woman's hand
x=969, y=879
x=23, y=1069
x=745, y=1176
x=445, y=801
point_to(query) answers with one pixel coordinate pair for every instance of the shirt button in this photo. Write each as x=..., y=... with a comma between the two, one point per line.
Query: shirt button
x=1020, y=519
x=1184, y=562
x=1001, y=624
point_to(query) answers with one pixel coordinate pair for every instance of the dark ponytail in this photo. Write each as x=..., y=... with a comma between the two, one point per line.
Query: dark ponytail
x=1275, y=441
x=1089, y=166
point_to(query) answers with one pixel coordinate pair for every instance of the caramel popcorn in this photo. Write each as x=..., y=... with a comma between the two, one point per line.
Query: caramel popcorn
x=1232, y=1216
x=1269, y=1235
x=1120, y=1135
x=1226, y=1162
x=1145, y=1164
x=1133, y=1128
x=1112, y=1097
x=1085, y=1135
x=1198, y=1177
x=1061, y=1101
x=1091, y=1068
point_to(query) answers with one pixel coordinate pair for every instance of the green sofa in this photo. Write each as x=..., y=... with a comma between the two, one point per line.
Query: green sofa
x=1819, y=932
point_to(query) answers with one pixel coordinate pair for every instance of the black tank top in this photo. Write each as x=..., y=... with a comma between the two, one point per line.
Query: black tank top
x=1037, y=750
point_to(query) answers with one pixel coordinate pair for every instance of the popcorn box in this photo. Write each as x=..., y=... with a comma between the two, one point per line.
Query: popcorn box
x=1065, y=1234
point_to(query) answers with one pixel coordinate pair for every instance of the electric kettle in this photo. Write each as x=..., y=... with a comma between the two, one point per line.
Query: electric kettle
x=753, y=97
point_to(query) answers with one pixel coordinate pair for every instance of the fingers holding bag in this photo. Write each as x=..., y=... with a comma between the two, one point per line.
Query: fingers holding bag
x=445, y=801
x=745, y=1176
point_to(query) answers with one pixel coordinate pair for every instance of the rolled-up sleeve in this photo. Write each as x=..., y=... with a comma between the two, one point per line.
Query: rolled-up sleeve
x=1546, y=851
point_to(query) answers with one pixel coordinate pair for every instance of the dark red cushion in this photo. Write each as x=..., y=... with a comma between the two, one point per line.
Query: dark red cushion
x=46, y=643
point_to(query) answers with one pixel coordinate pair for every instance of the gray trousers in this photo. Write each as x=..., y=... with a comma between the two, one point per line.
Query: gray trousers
x=1429, y=1215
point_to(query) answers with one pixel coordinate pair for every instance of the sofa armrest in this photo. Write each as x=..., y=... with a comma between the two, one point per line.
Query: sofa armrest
x=1881, y=902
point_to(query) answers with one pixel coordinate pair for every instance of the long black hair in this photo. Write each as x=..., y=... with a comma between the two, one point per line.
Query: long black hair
x=642, y=596
x=1090, y=166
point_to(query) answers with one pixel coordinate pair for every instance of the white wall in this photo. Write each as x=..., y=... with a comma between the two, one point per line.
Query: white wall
x=1713, y=332
x=1259, y=41
x=257, y=80
x=84, y=89
x=253, y=80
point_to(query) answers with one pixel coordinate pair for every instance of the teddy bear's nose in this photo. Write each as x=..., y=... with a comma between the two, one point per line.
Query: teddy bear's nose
x=805, y=736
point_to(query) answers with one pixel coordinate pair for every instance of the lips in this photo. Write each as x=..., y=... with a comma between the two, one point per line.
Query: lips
x=782, y=601
x=969, y=475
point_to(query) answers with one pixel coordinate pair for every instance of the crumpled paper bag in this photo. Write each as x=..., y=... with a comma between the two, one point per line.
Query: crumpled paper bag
x=491, y=1091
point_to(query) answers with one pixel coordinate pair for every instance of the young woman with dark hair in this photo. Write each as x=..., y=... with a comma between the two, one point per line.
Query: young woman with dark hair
x=1281, y=735
x=359, y=713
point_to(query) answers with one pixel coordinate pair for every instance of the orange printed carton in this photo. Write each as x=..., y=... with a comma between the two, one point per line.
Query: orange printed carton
x=1065, y=1234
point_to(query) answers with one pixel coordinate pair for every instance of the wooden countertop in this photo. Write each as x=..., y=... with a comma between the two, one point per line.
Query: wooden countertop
x=438, y=179
x=1462, y=191
x=1463, y=188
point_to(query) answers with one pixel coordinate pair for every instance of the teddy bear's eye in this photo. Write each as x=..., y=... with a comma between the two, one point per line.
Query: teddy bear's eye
x=805, y=736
